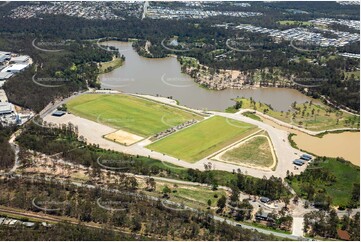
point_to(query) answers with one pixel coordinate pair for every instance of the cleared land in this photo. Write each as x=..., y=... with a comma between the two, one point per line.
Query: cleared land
x=255, y=151
x=194, y=196
x=129, y=113
x=203, y=139
x=311, y=116
x=123, y=137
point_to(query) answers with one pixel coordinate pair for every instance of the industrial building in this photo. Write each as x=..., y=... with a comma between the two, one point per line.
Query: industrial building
x=22, y=59
x=4, y=56
x=5, y=75
x=6, y=108
x=15, y=68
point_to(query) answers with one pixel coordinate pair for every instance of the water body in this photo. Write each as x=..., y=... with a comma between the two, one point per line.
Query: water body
x=163, y=77
x=345, y=144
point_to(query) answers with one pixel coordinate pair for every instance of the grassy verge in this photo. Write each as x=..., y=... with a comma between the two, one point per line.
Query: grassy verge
x=252, y=116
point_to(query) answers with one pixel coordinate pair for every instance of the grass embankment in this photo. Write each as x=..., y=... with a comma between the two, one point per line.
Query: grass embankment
x=203, y=139
x=315, y=117
x=252, y=116
x=129, y=113
x=328, y=178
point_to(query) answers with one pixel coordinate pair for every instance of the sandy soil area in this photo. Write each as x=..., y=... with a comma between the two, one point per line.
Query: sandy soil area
x=123, y=137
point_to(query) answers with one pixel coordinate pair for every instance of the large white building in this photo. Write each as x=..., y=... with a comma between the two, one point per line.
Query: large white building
x=5, y=75
x=4, y=56
x=15, y=68
x=22, y=59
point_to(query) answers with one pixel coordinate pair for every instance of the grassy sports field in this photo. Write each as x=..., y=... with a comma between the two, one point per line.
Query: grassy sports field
x=129, y=113
x=203, y=139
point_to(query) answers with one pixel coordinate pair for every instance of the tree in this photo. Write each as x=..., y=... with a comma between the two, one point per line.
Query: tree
x=209, y=202
x=221, y=202
x=166, y=190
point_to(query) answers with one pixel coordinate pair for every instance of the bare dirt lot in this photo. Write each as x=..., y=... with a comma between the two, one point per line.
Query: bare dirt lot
x=123, y=137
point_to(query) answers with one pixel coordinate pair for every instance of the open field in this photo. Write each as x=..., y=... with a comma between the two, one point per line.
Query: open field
x=334, y=176
x=314, y=117
x=129, y=113
x=350, y=74
x=254, y=151
x=193, y=196
x=203, y=139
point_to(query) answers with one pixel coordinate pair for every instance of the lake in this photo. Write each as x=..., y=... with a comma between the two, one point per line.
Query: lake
x=163, y=77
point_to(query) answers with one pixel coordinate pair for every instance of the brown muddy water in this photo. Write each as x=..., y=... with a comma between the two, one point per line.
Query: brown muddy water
x=345, y=144
x=164, y=77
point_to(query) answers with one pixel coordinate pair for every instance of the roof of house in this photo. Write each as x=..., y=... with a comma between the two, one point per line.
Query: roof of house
x=343, y=234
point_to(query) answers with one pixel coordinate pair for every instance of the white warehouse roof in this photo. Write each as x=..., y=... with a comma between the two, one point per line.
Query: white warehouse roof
x=15, y=68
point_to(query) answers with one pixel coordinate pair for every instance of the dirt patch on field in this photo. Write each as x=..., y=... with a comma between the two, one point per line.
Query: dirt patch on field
x=123, y=137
